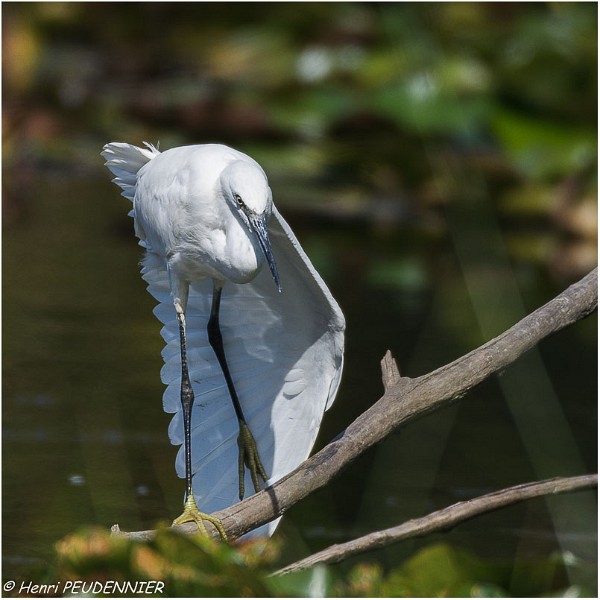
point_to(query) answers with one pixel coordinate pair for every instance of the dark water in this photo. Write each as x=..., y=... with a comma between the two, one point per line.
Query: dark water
x=84, y=437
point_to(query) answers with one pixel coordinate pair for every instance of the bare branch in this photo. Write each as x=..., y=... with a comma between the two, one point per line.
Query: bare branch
x=404, y=400
x=443, y=519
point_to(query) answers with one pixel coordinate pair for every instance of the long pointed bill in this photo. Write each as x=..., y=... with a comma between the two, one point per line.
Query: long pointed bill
x=259, y=226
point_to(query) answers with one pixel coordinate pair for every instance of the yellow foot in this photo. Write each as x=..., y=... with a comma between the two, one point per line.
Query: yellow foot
x=191, y=513
x=248, y=456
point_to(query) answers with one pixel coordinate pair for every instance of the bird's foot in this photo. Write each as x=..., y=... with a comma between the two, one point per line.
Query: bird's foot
x=248, y=457
x=192, y=514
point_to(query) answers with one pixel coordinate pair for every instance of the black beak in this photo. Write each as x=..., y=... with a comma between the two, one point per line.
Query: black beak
x=259, y=226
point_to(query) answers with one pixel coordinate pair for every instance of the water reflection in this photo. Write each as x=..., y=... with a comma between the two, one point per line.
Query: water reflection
x=76, y=480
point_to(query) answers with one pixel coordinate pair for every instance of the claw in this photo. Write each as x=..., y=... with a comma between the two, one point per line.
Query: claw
x=192, y=514
x=248, y=457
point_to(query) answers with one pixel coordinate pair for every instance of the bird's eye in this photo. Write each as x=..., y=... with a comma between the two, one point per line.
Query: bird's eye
x=238, y=199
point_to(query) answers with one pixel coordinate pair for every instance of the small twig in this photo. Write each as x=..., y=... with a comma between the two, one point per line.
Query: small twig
x=404, y=400
x=442, y=519
x=390, y=375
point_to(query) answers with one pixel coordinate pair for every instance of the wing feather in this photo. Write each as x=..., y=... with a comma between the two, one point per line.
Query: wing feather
x=284, y=350
x=285, y=353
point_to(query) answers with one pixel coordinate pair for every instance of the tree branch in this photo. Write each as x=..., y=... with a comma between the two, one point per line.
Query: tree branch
x=443, y=519
x=404, y=400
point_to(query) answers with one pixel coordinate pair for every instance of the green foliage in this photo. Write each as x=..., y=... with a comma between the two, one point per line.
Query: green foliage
x=188, y=566
x=545, y=150
x=440, y=570
x=367, y=96
x=199, y=567
x=311, y=87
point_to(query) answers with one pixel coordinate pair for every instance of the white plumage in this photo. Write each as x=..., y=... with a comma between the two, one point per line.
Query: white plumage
x=284, y=349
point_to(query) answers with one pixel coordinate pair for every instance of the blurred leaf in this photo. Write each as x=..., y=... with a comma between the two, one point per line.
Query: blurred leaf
x=188, y=566
x=533, y=199
x=419, y=105
x=407, y=273
x=531, y=247
x=22, y=51
x=441, y=570
x=193, y=566
x=312, y=110
x=542, y=149
x=313, y=583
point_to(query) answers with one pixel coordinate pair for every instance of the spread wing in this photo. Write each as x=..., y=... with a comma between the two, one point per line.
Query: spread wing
x=285, y=354
x=284, y=350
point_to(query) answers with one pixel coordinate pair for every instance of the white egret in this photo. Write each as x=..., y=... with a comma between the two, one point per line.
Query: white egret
x=250, y=364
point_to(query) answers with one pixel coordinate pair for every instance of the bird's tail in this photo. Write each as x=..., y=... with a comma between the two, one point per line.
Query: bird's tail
x=124, y=161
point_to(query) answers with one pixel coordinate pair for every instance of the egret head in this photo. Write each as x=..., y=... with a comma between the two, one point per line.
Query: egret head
x=247, y=190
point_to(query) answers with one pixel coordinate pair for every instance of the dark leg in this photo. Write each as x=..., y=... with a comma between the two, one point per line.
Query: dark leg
x=248, y=452
x=187, y=402
x=190, y=511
